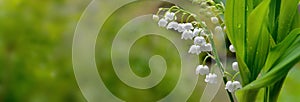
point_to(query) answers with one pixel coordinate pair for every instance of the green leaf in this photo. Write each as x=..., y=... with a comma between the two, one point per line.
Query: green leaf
x=274, y=90
x=279, y=49
x=235, y=21
x=273, y=18
x=257, y=47
x=235, y=16
x=245, y=73
x=248, y=35
x=286, y=16
x=257, y=38
x=285, y=62
x=256, y=2
x=246, y=95
x=296, y=21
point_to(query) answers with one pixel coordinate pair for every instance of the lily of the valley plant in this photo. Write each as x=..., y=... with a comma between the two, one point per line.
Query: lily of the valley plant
x=265, y=36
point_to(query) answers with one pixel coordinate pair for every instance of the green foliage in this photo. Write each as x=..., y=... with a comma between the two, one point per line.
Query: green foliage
x=235, y=20
x=281, y=58
x=266, y=42
x=286, y=16
x=257, y=39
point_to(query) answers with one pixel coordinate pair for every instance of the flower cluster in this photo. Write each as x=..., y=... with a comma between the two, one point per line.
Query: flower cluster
x=200, y=34
x=210, y=9
x=232, y=86
x=190, y=31
x=196, y=31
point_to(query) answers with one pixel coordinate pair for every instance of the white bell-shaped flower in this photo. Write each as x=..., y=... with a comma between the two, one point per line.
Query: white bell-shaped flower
x=172, y=25
x=162, y=22
x=155, y=17
x=206, y=47
x=231, y=48
x=195, y=49
x=187, y=34
x=202, y=70
x=237, y=85
x=229, y=86
x=235, y=66
x=188, y=26
x=214, y=20
x=199, y=40
x=170, y=15
x=219, y=30
x=211, y=78
x=203, y=33
x=180, y=27
x=233, y=86
x=197, y=31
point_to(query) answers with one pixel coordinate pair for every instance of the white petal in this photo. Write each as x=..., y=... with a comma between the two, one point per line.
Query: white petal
x=214, y=78
x=204, y=70
x=170, y=15
x=162, y=22
x=237, y=85
x=207, y=78
x=229, y=86
x=198, y=69
x=219, y=30
x=199, y=40
x=188, y=26
x=211, y=78
x=197, y=31
x=194, y=49
x=228, y=83
x=203, y=33
x=173, y=25
x=214, y=20
x=231, y=48
x=235, y=66
x=207, y=47
x=187, y=34
x=155, y=17
x=180, y=27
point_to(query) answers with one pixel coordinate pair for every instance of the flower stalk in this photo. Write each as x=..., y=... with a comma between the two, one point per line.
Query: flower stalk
x=219, y=64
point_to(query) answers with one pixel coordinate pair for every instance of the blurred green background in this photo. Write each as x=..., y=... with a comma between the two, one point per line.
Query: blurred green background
x=36, y=54
x=35, y=50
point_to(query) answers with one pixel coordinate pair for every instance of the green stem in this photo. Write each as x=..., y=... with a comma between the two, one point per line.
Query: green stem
x=188, y=18
x=182, y=17
x=219, y=64
x=228, y=74
x=235, y=75
x=266, y=95
x=206, y=57
x=214, y=51
x=173, y=7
